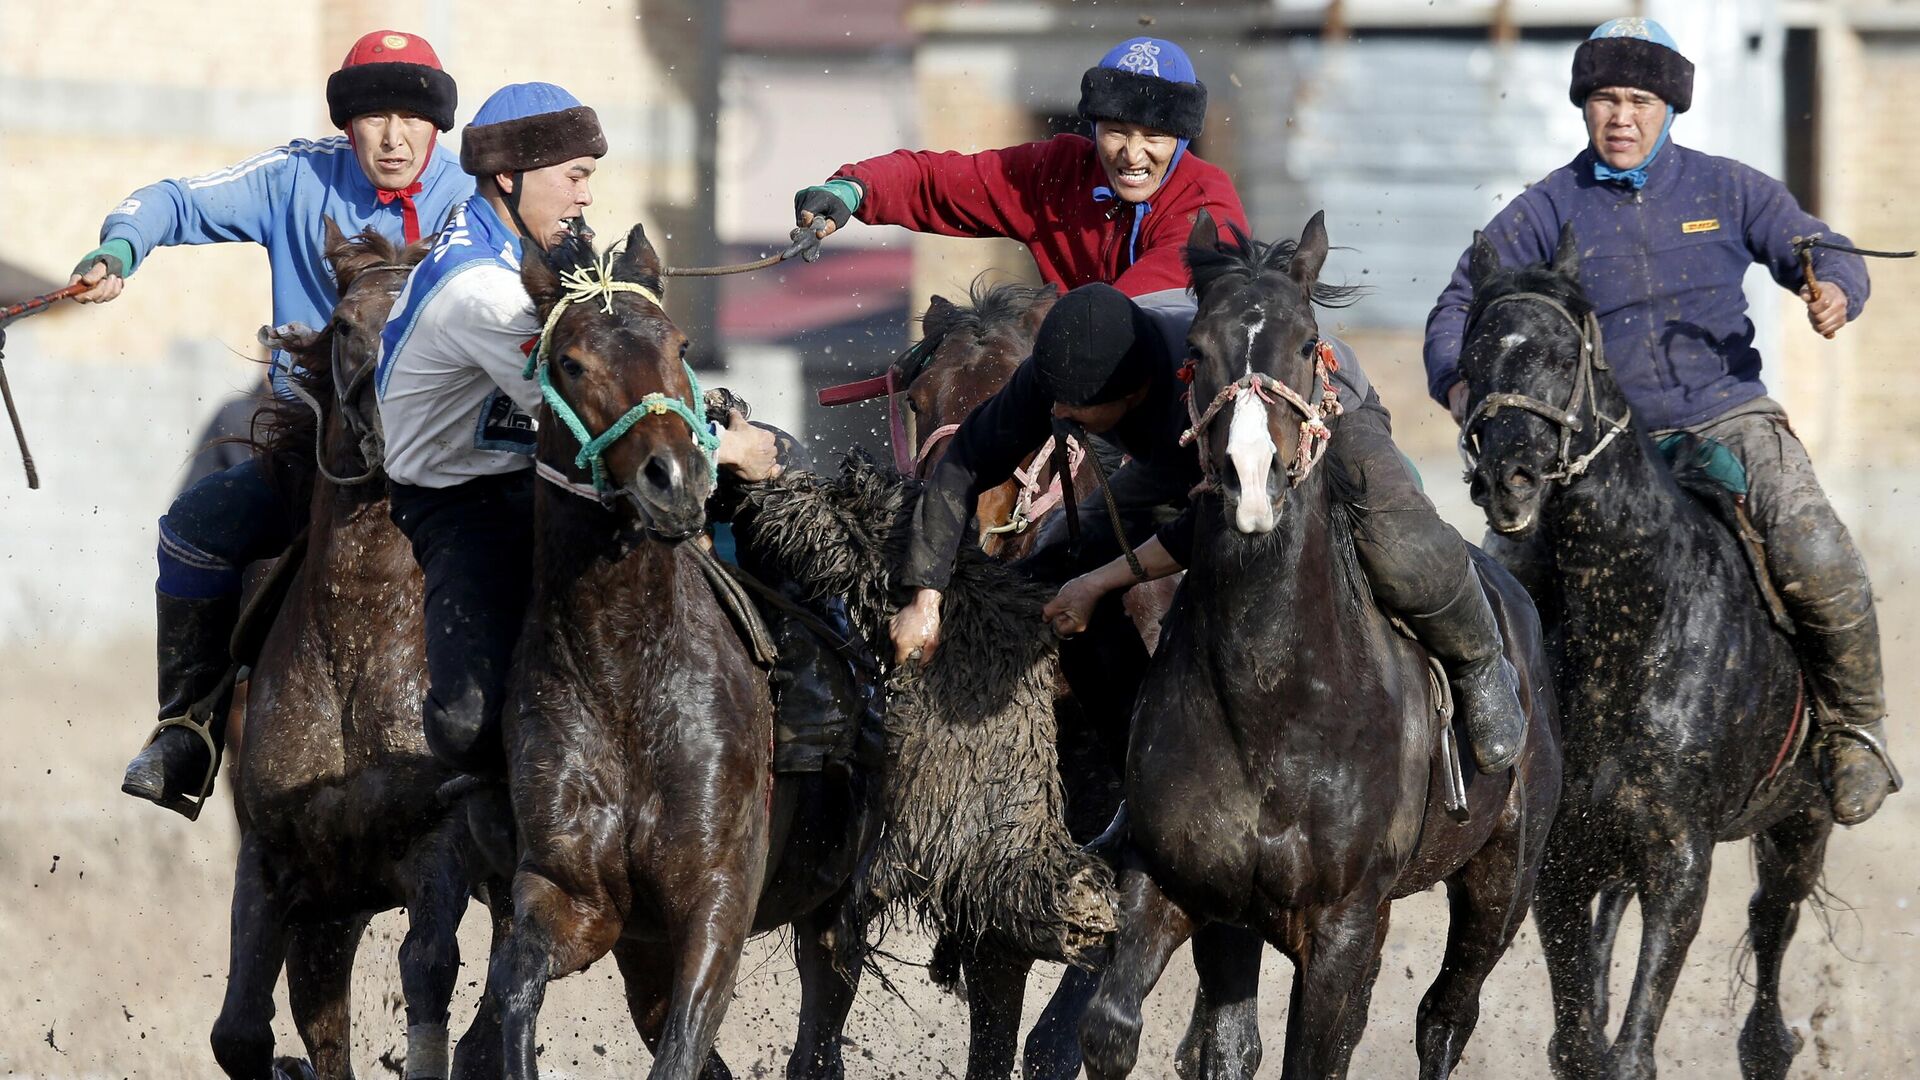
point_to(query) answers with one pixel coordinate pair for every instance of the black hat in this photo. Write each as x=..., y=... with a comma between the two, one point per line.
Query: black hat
x=1147, y=81
x=1094, y=346
x=385, y=71
x=1632, y=52
x=529, y=126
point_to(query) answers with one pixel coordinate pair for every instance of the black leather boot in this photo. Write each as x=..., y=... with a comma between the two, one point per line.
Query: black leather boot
x=1466, y=640
x=174, y=769
x=1844, y=667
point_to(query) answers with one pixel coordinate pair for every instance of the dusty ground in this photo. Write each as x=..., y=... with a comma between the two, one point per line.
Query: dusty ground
x=113, y=924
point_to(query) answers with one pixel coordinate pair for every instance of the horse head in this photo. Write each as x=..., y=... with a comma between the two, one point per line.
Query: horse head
x=965, y=355
x=1540, y=400
x=623, y=403
x=1257, y=366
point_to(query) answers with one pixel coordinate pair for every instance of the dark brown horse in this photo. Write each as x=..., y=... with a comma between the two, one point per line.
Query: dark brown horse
x=1683, y=698
x=1282, y=773
x=640, y=736
x=334, y=787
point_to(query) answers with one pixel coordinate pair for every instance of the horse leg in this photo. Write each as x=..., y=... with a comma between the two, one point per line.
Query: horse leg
x=996, y=993
x=1052, y=1050
x=430, y=953
x=1334, y=975
x=477, y=1057
x=828, y=956
x=1152, y=927
x=1608, y=908
x=1790, y=855
x=646, y=968
x=553, y=933
x=243, y=1034
x=1486, y=900
x=704, y=959
x=319, y=992
x=1223, y=1038
x=1670, y=917
x=1578, y=955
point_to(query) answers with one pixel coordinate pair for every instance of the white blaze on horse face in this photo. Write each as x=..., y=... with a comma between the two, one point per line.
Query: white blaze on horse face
x=1250, y=448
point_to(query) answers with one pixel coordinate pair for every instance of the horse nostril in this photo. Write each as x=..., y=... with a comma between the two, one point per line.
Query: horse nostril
x=661, y=472
x=1520, y=479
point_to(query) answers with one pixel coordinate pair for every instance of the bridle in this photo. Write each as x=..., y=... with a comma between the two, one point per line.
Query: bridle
x=372, y=445
x=1567, y=468
x=597, y=282
x=1314, y=432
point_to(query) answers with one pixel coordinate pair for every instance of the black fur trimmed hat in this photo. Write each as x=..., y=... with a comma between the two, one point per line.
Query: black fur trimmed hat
x=529, y=126
x=1148, y=81
x=1094, y=346
x=388, y=70
x=1633, y=52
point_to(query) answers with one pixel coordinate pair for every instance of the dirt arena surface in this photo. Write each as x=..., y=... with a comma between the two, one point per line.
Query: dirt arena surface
x=113, y=924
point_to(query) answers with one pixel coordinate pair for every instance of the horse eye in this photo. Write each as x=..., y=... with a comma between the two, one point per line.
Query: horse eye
x=1307, y=350
x=572, y=367
x=684, y=346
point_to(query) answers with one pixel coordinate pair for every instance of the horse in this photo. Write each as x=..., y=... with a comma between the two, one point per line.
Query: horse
x=333, y=786
x=639, y=729
x=1281, y=774
x=1684, y=700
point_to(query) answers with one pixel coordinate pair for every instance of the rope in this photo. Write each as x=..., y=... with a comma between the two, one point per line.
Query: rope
x=586, y=284
x=19, y=433
x=804, y=242
x=1062, y=464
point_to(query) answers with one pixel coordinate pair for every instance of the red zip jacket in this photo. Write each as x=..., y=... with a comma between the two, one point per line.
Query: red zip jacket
x=1042, y=194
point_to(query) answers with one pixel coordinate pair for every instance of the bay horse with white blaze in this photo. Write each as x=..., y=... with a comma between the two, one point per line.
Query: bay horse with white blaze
x=1282, y=774
x=1684, y=701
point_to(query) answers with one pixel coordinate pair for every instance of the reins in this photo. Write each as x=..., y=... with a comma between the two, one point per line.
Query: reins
x=804, y=242
x=597, y=282
x=1567, y=467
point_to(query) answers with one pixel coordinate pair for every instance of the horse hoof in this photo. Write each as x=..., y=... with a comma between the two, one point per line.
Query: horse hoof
x=1575, y=1058
x=1767, y=1049
x=287, y=1068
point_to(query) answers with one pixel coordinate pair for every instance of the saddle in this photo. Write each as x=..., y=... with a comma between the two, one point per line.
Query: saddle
x=1707, y=470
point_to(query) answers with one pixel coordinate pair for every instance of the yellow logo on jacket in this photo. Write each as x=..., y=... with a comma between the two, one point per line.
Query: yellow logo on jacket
x=1711, y=224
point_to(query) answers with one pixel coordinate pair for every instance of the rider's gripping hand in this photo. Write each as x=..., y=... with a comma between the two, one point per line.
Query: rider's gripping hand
x=105, y=269
x=1829, y=313
x=835, y=200
x=1457, y=402
x=916, y=628
x=1073, y=605
x=750, y=451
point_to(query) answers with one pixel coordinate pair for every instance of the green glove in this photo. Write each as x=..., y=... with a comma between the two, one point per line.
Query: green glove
x=117, y=254
x=835, y=200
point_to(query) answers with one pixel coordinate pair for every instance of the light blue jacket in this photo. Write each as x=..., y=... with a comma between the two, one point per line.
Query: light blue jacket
x=277, y=199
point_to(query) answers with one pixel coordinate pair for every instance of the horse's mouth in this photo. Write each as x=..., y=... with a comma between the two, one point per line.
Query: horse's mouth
x=685, y=517
x=1513, y=523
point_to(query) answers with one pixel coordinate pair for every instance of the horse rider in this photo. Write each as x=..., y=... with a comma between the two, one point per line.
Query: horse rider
x=1666, y=234
x=391, y=99
x=1107, y=364
x=1116, y=208
x=456, y=409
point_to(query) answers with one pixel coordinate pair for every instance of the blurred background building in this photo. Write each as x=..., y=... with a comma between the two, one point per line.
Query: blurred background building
x=1409, y=121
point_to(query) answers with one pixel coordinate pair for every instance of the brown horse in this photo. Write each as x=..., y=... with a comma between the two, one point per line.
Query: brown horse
x=1282, y=773
x=639, y=741
x=333, y=786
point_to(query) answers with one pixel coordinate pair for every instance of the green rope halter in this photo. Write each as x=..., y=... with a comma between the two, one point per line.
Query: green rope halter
x=597, y=282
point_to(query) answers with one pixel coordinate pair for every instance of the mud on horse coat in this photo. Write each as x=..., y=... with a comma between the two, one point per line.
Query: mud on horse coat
x=1683, y=699
x=1277, y=672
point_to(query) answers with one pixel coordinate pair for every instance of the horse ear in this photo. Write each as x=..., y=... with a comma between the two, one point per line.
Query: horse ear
x=1566, y=254
x=1311, y=255
x=334, y=237
x=1205, y=233
x=1482, y=260
x=540, y=280
x=639, y=262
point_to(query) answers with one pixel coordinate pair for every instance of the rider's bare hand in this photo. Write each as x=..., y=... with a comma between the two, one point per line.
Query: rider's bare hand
x=1457, y=402
x=105, y=286
x=751, y=452
x=1829, y=313
x=916, y=628
x=805, y=220
x=1072, y=606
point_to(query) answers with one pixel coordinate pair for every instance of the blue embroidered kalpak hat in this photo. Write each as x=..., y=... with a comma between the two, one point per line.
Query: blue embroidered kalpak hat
x=1148, y=81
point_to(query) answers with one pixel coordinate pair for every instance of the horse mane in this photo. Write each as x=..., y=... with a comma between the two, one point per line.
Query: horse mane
x=1538, y=277
x=989, y=307
x=574, y=252
x=1246, y=258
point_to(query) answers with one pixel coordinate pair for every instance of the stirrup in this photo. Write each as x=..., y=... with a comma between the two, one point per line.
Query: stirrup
x=1833, y=730
x=199, y=719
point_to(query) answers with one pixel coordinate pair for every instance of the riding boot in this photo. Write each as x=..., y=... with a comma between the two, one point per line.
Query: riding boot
x=193, y=640
x=1466, y=640
x=1844, y=667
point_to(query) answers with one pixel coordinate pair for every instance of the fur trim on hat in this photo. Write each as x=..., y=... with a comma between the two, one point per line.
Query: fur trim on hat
x=371, y=88
x=1179, y=109
x=531, y=142
x=1633, y=62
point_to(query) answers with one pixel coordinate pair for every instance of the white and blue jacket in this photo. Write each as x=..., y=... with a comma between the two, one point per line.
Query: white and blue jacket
x=276, y=199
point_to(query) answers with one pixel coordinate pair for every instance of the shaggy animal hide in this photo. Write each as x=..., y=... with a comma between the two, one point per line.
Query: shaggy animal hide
x=975, y=840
